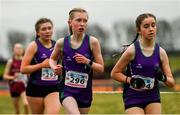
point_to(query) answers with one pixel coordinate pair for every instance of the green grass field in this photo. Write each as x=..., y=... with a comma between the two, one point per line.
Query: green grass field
x=108, y=103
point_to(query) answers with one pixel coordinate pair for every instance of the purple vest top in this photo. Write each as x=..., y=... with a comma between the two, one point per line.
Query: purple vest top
x=144, y=66
x=41, y=54
x=70, y=64
x=68, y=53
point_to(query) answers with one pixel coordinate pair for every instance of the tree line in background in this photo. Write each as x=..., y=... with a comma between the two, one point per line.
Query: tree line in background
x=168, y=35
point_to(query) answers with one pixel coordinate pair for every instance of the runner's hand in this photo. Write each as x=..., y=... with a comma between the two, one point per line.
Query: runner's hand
x=80, y=58
x=58, y=69
x=45, y=63
x=137, y=83
x=160, y=76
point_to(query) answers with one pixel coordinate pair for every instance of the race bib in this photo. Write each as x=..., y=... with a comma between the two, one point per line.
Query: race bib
x=47, y=74
x=149, y=83
x=76, y=79
x=21, y=77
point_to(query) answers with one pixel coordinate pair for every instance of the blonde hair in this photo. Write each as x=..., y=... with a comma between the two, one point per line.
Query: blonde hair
x=71, y=15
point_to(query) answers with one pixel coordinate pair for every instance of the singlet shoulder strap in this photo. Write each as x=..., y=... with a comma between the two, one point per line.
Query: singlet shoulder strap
x=88, y=41
x=137, y=45
x=65, y=43
x=53, y=42
x=157, y=51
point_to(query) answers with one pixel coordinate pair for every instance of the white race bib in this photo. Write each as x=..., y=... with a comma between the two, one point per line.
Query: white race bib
x=21, y=77
x=47, y=74
x=76, y=79
x=149, y=82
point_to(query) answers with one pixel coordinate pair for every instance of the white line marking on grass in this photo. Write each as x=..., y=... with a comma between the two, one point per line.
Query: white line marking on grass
x=105, y=92
x=170, y=92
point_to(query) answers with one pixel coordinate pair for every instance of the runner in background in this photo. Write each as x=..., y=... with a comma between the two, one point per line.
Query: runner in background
x=16, y=80
x=43, y=87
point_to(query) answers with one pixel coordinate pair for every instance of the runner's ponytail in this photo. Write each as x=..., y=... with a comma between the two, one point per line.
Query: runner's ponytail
x=124, y=47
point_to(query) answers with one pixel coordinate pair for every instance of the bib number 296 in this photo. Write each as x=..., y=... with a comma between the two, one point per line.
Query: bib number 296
x=76, y=79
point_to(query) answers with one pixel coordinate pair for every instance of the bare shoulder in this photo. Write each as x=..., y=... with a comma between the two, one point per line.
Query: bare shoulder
x=163, y=53
x=130, y=52
x=94, y=43
x=10, y=61
x=60, y=41
x=93, y=39
x=32, y=44
x=131, y=49
x=32, y=47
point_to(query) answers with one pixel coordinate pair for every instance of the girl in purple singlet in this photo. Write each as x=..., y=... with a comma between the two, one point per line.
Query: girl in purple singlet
x=43, y=86
x=146, y=64
x=81, y=54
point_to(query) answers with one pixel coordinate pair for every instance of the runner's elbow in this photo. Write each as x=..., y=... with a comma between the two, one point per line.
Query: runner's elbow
x=22, y=70
x=112, y=75
x=171, y=85
x=102, y=69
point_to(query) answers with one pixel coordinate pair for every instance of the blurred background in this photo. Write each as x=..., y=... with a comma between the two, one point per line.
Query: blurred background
x=111, y=21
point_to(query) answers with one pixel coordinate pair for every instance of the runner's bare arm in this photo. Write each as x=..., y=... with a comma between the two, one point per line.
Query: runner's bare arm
x=98, y=64
x=166, y=68
x=57, y=53
x=117, y=71
x=26, y=66
x=6, y=75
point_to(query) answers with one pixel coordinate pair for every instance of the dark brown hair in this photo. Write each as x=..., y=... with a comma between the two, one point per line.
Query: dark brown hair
x=139, y=20
x=141, y=17
x=41, y=21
